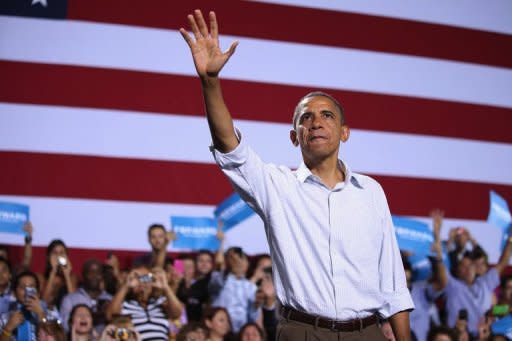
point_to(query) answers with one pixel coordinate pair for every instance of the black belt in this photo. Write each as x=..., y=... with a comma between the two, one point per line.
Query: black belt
x=334, y=325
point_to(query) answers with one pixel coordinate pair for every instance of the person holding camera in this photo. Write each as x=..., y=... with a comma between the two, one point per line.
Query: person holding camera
x=147, y=298
x=59, y=278
x=337, y=266
x=21, y=320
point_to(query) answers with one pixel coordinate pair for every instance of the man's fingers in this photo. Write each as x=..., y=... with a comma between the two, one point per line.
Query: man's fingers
x=193, y=26
x=201, y=23
x=187, y=37
x=231, y=49
x=214, y=28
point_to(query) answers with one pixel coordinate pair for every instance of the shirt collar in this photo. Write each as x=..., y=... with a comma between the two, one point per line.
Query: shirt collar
x=303, y=173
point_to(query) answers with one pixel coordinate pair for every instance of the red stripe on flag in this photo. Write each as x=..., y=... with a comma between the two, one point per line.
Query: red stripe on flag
x=312, y=26
x=160, y=93
x=34, y=174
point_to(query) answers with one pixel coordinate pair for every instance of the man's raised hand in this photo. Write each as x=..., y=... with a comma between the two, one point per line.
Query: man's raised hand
x=208, y=58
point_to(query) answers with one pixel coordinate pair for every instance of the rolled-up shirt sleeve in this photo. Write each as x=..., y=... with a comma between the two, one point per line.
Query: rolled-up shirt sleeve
x=393, y=284
x=247, y=173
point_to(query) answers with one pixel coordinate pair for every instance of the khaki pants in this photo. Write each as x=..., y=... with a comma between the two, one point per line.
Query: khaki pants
x=289, y=330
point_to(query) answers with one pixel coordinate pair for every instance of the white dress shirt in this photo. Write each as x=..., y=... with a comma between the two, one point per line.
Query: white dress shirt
x=334, y=251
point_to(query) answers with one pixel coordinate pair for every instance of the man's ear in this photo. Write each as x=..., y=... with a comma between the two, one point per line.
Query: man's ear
x=293, y=137
x=345, y=133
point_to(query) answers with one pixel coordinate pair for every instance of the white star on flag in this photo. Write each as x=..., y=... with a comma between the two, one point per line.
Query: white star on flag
x=42, y=2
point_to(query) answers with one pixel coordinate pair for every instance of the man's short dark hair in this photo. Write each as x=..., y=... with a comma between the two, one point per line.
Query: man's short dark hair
x=155, y=227
x=203, y=252
x=25, y=274
x=317, y=93
x=88, y=264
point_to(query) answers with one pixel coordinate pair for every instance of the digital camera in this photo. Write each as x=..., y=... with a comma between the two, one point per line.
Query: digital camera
x=62, y=261
x=120, y=334
x=148, y=278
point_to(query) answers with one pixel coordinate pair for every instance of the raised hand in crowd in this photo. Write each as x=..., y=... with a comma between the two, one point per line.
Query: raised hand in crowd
x=220, y=261
x=27, y=247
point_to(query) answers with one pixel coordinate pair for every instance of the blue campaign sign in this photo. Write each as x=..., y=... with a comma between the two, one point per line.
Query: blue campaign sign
x=422, y=266
x=503, y=327
x=499, y=213
x=12, y=217
x=412, y=235
x=232, y=211
x=194, y=233
x=499, y=216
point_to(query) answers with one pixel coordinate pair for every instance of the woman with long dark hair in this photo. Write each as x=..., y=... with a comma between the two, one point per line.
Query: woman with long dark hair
x=59, y=279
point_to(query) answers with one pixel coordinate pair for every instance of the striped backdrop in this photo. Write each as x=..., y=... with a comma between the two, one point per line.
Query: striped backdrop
x=102, y=128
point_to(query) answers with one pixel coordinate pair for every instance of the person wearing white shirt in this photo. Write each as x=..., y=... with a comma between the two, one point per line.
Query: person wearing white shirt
x=337, y=267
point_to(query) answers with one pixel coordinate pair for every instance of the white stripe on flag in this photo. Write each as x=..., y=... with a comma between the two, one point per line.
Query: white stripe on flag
x=112, y=133
x=157, y=50
x=493, y=15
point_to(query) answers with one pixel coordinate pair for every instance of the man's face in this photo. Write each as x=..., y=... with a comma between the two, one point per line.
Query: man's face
x=319, y=129
x=23, y=282
x=93, y=277
x=204, y=263
x=481, y=266
x=466, y=270
x=157, y=239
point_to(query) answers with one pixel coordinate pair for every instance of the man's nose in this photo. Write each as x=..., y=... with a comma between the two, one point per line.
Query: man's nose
x=316, y=121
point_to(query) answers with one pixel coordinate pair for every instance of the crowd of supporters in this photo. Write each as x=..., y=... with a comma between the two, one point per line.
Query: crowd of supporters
x=227, y=295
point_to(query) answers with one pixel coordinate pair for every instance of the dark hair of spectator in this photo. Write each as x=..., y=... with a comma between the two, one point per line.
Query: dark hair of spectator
x=442, y=330
x=209, y=314
x=203, y=252
x=25, y=274
x=188, y=328
x=504, y=280
x=155, y=227
x=251, y=324
x=168, y=261
x=478, y=253
x=53, y=244
x=88, y=264
x=52, y=328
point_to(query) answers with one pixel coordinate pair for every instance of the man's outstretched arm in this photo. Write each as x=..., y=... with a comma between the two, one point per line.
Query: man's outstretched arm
x=209, y=61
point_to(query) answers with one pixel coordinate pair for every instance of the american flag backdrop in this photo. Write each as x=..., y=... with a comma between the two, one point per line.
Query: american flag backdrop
x=102, y=128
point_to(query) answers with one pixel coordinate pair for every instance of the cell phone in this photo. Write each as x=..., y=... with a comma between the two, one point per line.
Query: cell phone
x=500, y=310
x=30, y=292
